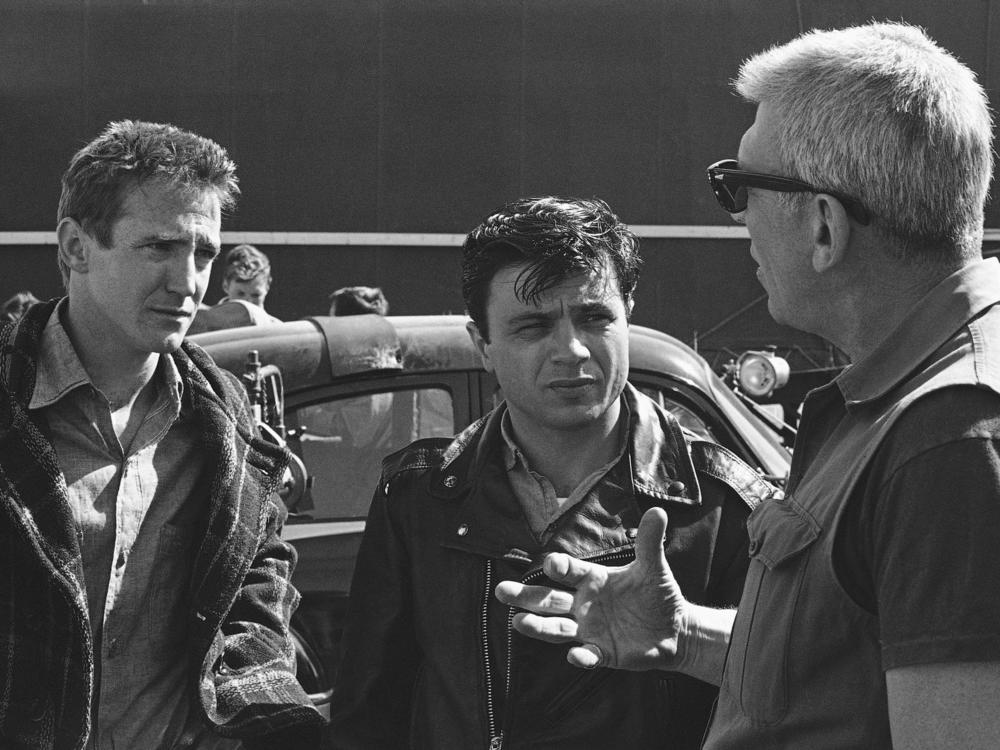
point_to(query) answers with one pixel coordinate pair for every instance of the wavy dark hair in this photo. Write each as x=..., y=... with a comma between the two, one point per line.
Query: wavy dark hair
x=557, y=237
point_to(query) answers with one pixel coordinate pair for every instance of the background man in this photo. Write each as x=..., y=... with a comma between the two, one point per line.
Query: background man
x=246, y=281
x=358, y=300
x=871, y=613
x=569, y=461
x=145, y=593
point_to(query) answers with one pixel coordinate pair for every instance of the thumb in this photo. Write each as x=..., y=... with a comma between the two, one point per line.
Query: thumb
x=649, y=539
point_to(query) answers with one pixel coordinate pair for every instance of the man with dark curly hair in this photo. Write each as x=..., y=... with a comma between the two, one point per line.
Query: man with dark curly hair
x=569, y=461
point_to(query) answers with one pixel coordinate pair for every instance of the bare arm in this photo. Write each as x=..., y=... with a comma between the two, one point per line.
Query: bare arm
x=954, y=704
x=635, y=615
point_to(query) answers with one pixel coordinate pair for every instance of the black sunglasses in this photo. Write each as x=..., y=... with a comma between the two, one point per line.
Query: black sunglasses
x=730, y=183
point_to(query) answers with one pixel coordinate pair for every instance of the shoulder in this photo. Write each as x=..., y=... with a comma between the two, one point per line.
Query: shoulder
x=722, y=464
x=200, y=372
x=415, y=458
x=945, y=417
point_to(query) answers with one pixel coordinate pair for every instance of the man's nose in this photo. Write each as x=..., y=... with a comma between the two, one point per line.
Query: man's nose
x=182, y=275
x=569, y=344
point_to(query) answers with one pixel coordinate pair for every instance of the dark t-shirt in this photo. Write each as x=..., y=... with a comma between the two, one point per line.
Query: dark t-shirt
x=919, y=544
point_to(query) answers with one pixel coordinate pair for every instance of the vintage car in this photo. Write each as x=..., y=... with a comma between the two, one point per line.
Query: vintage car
x=344, y=392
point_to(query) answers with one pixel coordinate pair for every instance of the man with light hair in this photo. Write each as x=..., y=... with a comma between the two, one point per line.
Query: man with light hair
x=871, y=611
x=145, y=593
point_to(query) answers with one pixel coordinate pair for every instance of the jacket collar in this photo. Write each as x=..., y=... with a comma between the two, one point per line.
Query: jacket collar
x=655, y=470
x=659, y=463
x=932, y=321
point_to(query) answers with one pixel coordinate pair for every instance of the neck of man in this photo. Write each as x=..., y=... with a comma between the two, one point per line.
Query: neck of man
x=567, y=457
x=115, y=370
x=874, y=300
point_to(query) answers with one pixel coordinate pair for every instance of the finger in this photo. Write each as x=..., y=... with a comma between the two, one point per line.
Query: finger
x=562, y=568
x=649, y=538
x=539, y=599
x=586, y=656
x=548, y=629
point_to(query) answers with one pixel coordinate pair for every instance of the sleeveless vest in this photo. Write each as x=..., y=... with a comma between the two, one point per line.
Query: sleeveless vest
x=804, y=666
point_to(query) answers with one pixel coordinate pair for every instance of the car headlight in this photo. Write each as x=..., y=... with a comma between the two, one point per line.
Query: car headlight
x=759, y=374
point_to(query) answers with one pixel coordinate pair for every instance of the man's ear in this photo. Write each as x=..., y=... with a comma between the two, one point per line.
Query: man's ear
x=74, y=245
x=831, y=232
x=480, y=343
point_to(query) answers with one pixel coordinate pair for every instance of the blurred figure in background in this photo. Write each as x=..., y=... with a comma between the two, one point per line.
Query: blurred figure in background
x=18, y=305
x=358, y=300
x=246, y=281
x=247, y=276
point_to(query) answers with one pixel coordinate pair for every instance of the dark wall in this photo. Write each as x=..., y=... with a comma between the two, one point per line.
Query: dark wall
x=412, y=116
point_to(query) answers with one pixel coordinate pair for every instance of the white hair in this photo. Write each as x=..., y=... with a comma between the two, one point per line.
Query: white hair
x=883, y=114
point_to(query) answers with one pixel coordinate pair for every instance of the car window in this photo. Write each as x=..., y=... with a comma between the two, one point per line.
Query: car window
x=342, y=442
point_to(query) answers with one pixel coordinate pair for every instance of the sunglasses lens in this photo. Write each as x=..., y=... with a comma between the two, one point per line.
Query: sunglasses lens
x=731, y=194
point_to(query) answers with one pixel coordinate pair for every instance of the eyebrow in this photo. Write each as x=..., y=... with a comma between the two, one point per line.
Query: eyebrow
x=202, y=242
x=586, y=307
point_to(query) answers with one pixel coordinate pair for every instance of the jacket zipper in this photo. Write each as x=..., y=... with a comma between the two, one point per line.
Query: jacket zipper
x=496, y=737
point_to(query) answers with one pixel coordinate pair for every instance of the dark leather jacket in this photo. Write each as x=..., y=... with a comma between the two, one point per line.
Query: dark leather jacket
x=430, y=659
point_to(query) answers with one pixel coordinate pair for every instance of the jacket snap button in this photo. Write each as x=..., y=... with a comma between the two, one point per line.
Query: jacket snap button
x=386, y=489
x=450, y=481
x=676, y=488
x=463, y=530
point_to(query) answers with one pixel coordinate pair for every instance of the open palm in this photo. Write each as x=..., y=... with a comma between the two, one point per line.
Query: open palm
x=631, y=614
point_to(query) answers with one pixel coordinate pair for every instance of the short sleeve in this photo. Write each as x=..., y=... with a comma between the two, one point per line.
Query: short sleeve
x=927, y=531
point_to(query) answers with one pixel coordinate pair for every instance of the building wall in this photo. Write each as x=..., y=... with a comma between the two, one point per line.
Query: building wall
x=412, y=117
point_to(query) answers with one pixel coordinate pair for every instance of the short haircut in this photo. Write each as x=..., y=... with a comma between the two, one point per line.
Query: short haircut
x=129, y=152
x=246, y=263
x=881, y=113
x=358, y=300
x=557, y=238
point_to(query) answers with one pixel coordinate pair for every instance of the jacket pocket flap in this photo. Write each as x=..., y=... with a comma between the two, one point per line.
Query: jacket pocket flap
x=779, y=530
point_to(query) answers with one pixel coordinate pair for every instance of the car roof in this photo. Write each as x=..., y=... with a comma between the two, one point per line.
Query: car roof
x=318, y=350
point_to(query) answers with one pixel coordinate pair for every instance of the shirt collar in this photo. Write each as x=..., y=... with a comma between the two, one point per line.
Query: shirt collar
x=929, y=324
x=59, y=369
x=512, y=453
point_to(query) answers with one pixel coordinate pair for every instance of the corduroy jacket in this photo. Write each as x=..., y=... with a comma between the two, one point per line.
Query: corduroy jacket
x=430, y=660
x=242, y=662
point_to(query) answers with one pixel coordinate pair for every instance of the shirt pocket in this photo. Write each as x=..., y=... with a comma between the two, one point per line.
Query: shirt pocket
x=782, y=538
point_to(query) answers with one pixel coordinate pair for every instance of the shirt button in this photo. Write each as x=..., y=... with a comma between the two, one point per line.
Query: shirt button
x=463, y=530
x=120, y=562
x=676, y=488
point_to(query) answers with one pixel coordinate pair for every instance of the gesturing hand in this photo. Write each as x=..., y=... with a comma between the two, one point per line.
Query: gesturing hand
x=626, y=617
